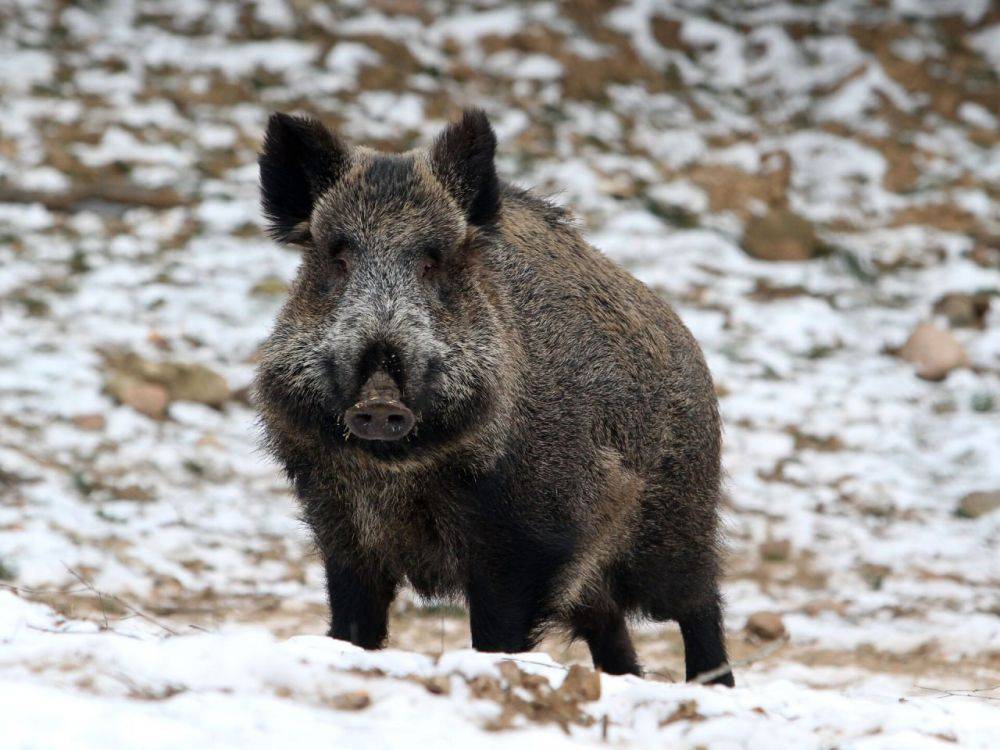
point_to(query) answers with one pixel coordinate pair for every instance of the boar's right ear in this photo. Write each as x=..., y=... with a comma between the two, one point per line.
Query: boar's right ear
x=462, y=159
x=300, y=161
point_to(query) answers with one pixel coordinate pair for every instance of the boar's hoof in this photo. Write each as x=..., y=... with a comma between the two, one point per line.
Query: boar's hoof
x=379, y=419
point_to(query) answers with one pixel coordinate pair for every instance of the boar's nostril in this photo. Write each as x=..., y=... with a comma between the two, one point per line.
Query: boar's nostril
x=379, y=419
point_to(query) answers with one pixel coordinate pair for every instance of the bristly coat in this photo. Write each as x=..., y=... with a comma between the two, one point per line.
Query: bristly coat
x=563, y=464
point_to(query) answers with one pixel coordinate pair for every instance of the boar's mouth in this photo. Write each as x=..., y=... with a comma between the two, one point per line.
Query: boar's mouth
x=380, y=413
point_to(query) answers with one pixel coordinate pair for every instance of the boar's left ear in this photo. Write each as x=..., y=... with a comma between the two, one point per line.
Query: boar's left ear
x=462, y=159
x=300, y=161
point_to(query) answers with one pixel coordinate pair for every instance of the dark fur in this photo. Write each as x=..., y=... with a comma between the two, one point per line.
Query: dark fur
x=564, y=468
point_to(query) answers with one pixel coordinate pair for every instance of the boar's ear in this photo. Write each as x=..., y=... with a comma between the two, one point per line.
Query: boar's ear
x=300, y=160
x=462, y=159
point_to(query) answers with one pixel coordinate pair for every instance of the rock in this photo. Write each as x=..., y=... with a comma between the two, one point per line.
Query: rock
x=766, y=625
x=196, y=383
x=89, y=422
x=964, y=310
x=581, y=684
x=270, y=286
x=183, y=381
x=146, y=398
x=977, y=504
x=935, y=352
x=775, y=550
x=355, y=700
x=781, y=234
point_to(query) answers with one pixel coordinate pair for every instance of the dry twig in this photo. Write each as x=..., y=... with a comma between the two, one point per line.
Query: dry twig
x=962, y=692
x=118, y=600
x=759, y=655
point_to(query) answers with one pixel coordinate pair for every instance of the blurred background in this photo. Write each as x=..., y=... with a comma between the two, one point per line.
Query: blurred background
x=814, y=185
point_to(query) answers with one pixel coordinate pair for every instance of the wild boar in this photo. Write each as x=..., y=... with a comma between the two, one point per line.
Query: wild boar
x=469, y=398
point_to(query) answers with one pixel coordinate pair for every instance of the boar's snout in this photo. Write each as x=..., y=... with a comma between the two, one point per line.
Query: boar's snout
x=379, y=420
x=379, y=413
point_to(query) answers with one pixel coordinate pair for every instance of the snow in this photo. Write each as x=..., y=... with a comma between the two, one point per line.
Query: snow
x=347, y=58
x=977, y=115
x=248, y=689
x=120, y=145
x=831, y=443
x=987, y=42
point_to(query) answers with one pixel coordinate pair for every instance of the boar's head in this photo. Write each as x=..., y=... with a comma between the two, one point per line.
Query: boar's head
x=389, y=342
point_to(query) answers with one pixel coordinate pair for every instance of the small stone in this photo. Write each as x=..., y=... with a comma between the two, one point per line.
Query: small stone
x=270, y=286
x=775, y=550
x=781, y=234
x=146, y=398
x=581, y=684
x=874, y=574
x=619, y=186
x=935, y=352
x=355, y=700
x=133, y=493
x=964, y=310
x=977, y=504
x=438, y=685
x=89, y=422
x=819, y=606
x=766, y=625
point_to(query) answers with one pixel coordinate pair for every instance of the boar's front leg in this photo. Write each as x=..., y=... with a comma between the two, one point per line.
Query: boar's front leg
x=359, y=603
x=510, y=587
x=503, y=611
x=516, y=555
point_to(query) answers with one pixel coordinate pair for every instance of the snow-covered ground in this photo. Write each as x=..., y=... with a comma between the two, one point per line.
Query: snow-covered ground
x=157, y=587
x=242, y=688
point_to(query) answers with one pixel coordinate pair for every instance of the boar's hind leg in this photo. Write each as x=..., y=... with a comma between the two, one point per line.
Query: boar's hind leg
x=704, y=644
x=359, y=604
x=606, y=634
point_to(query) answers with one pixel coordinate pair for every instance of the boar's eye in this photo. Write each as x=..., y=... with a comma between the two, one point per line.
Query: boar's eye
x=340, y=266
x=430, y=261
